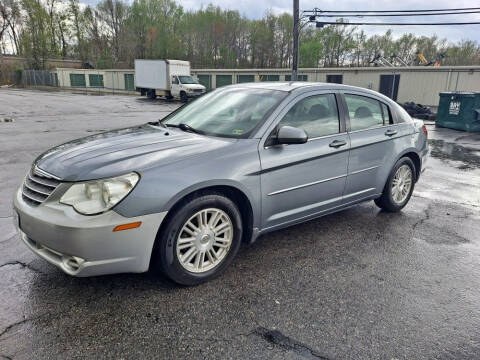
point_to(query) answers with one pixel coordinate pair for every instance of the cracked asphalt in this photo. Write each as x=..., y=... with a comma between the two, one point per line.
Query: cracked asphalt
x=358, y=284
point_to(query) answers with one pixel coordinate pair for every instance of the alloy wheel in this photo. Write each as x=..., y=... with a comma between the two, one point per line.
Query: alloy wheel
x=401, y=184
x=204, y=240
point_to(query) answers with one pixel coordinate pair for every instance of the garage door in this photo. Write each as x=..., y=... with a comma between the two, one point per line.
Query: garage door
x=77, y=80
x=129, y=82
x=205, y=80
x=223, y=80
x=245, y=78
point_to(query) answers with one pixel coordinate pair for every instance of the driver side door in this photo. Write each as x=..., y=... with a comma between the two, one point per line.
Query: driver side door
x=303, y=180
x=175, y=90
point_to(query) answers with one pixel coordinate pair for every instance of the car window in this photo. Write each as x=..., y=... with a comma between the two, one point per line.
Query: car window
x=174, y=80
x=317, y=115
x=364, y=112
x=229, y=112
x=387, y=116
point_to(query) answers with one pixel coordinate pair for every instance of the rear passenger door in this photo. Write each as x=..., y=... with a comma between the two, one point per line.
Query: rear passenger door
x=371, y=131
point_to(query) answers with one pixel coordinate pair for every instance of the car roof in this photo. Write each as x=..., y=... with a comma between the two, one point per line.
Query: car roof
x=299, y=86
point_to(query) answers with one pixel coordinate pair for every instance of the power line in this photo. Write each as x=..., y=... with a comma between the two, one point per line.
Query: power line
x=400, y=15
x=400, y=24
x=316, y=10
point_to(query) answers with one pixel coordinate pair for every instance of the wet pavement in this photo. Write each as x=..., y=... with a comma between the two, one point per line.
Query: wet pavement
x=358, y=284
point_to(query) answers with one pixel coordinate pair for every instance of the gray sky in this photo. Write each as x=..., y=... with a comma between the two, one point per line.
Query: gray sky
x=255, y=9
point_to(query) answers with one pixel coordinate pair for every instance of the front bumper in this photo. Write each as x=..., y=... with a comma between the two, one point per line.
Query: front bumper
x=194, y=94
x=86, y=245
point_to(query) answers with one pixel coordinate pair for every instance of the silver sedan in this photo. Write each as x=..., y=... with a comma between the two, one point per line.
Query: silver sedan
x=183, y=193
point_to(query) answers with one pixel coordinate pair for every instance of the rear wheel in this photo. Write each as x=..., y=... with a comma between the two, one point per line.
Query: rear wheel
x=200, y=240
x=183, y=97
x=399, y=186
x=151, y=94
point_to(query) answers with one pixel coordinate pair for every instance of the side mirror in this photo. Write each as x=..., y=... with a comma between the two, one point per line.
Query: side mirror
x=291, y=135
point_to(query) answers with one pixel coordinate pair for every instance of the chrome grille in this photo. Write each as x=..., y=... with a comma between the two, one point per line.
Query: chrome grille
x=38, y=186
x=197, y=90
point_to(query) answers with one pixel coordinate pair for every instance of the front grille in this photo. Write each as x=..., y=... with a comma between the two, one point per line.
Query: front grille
x=198, y=90
x=38, y=186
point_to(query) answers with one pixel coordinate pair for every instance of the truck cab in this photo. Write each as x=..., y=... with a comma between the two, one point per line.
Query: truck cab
x=186, y=84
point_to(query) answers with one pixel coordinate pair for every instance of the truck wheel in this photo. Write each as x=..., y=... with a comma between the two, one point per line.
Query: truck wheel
x=183, y=97
x=151, y=94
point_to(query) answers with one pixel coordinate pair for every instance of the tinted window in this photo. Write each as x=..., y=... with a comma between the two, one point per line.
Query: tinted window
x=364, y=112
x=317, y=115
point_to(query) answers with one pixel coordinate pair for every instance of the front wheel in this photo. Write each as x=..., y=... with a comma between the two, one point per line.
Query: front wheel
x=399, y=186
x=200, y=239
x=183, y=97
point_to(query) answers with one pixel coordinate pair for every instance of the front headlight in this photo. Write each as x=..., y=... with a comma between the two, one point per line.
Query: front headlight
x=97, y=196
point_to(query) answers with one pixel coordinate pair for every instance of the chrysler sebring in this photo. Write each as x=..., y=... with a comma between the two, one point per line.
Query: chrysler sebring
x=183, y=193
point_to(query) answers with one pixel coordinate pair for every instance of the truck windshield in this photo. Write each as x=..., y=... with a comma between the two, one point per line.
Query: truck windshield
x=234, y=112
x=187, y=80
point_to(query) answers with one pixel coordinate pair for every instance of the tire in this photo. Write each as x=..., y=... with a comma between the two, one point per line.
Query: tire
x=393, y=200
x=151, y=94
x=183, y=97
x=169, y=256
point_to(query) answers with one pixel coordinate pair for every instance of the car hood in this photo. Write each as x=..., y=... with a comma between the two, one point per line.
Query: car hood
x=124, y=150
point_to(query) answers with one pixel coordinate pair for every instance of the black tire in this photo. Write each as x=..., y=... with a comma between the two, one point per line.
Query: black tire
x=386, y=201
x=165, y=254
x=151, y=94
x=183, y=96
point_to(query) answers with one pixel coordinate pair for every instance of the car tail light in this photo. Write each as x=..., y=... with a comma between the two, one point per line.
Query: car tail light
x=424, y=128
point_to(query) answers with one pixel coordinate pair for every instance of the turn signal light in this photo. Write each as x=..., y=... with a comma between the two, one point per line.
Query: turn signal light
x=129, y=226
x=424, y=128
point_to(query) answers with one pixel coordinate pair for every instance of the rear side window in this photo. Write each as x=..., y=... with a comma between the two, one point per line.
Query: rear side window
x=317, y=115
x=364, y=112
x=387, y=116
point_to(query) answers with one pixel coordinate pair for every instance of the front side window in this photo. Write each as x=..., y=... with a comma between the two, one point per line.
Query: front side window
x=317, y=115
x=184, y=79
x=364, y=112
x=227, y=112
x=174, y=80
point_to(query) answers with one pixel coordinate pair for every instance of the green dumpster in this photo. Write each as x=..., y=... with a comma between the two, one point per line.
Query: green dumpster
x=459, y=110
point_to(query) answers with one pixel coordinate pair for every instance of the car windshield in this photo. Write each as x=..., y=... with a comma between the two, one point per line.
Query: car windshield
x=231, y=112
x=187, y=80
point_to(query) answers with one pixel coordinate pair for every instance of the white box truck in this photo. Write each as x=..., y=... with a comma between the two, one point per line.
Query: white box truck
x=167, y=78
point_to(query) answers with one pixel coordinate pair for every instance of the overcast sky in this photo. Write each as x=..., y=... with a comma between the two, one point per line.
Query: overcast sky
x=255, y=9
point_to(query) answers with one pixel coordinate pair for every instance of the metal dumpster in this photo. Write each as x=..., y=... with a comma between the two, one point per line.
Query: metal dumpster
x=459, y=110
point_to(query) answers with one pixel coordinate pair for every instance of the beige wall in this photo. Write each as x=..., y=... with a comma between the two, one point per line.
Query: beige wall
x=112, y=79
x=419, y=84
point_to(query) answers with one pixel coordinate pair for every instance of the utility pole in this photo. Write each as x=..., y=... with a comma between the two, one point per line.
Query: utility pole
x=296, y=32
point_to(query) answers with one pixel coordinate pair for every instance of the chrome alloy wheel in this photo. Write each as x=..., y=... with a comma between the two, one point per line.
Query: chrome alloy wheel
x=401, y=184
x=204, y=240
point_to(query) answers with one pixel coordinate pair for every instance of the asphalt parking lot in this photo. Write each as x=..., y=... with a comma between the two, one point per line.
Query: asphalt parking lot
x=358, y=284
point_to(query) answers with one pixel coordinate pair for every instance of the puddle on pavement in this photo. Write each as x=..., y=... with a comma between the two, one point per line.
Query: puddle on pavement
x=450, y=151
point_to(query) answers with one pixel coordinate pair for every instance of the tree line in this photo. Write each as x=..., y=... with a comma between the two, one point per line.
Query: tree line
x=114, y=33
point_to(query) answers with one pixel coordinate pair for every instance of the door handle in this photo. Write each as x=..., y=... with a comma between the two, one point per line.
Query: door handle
x=390, y=132
x=337, y=143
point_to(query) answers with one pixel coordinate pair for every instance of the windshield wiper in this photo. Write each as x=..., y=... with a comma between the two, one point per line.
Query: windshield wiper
x=185, y=127
x=158, y=123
